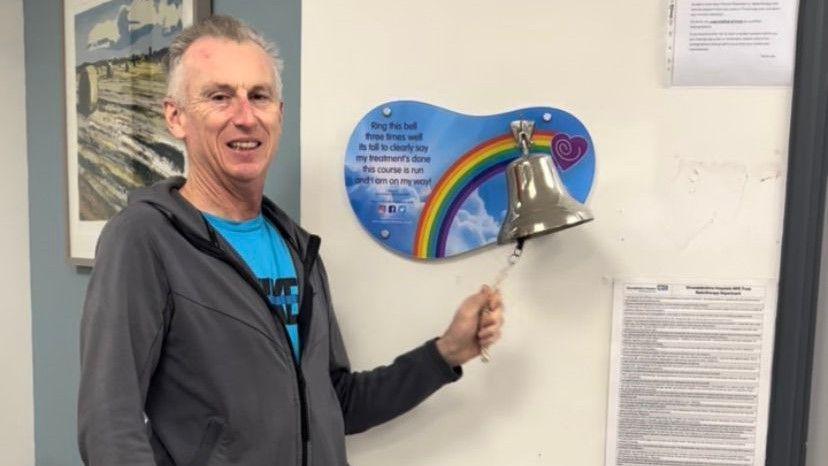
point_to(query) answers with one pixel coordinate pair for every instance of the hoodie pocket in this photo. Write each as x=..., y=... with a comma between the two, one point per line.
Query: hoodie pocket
x=208, y=442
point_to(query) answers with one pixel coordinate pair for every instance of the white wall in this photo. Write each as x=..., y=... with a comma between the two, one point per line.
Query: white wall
x=16, y=423
x=689, y=185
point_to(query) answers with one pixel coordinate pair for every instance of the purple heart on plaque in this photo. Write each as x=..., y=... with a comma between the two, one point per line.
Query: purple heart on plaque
x=567, y=150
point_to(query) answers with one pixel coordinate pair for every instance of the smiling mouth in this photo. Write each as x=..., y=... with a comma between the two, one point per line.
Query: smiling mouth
x=244, y=145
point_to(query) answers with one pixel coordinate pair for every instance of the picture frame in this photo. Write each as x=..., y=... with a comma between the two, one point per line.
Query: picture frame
x=116, y=136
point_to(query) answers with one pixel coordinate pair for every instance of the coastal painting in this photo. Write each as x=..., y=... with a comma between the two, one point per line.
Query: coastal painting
x=117, y=139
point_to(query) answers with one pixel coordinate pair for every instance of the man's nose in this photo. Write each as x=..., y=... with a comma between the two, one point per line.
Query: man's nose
x=243, y=113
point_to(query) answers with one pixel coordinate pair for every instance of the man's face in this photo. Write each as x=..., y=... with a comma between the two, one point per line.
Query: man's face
x=231, y=119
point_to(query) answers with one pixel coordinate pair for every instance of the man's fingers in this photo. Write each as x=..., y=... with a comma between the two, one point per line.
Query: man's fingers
x=488, y=337
x=478, y=301
x=495, y=300
x=488, y=332
x=489, y=342
x=487, y=319
x=490, y=322
x=487, y=297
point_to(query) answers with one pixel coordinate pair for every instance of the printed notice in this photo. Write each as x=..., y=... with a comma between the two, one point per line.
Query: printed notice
x=731, y=42
x=690, y=373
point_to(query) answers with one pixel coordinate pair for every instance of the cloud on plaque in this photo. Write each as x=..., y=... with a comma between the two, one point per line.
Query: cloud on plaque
x=472, y=227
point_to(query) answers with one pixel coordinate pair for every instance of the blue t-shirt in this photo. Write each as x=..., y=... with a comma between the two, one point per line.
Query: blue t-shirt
x=265, y=252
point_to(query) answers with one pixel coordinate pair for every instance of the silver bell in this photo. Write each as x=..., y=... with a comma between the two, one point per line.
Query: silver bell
x=538, y=201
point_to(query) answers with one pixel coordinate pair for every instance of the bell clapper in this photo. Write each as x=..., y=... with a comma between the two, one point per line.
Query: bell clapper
x=499, y=278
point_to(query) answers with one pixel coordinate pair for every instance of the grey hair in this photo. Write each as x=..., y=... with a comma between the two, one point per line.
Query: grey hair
x=221, y=27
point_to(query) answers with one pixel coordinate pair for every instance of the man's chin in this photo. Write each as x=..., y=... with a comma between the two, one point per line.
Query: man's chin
x=248, y=179
x=247, y=173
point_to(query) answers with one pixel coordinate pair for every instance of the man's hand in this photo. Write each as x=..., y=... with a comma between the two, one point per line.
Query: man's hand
x=472, y=328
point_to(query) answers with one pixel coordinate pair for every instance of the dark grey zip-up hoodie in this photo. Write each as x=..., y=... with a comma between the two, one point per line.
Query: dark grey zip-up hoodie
x=176, y=328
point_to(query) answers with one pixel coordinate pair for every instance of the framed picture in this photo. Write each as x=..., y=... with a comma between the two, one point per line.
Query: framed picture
x=116, y=137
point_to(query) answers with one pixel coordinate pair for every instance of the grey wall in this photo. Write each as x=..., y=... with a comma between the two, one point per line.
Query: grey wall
x=57, y=287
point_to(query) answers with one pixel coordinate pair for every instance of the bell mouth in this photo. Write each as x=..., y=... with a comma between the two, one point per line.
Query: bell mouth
x=539, y=229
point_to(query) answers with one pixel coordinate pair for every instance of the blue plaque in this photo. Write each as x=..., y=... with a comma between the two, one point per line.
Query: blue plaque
x=429, y=183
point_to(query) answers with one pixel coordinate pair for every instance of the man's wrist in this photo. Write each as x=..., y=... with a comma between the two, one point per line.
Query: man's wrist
x=448, y=352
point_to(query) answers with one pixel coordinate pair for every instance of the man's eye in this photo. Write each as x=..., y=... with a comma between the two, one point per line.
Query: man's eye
x=219, y=97
x=260, y=97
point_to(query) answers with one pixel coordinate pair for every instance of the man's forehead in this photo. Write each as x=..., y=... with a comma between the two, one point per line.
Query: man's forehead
x=223, y=62
x=211, y=49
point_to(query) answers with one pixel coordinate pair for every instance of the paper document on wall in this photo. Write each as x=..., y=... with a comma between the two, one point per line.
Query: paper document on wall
x=690, y=372
x=731, y=42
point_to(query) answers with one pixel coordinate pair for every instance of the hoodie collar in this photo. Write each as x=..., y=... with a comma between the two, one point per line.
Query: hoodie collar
x=166, y=197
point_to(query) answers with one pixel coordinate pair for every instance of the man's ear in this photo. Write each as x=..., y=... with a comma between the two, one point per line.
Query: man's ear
x=174, y=118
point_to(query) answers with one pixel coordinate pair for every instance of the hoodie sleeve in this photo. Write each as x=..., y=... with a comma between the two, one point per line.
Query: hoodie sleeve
x=122, y=328
x=370, y=398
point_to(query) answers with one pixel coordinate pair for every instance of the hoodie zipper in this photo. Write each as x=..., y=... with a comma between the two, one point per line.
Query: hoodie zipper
x=213, y=248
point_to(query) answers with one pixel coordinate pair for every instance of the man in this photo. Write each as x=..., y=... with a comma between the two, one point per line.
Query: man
x=208, y=335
